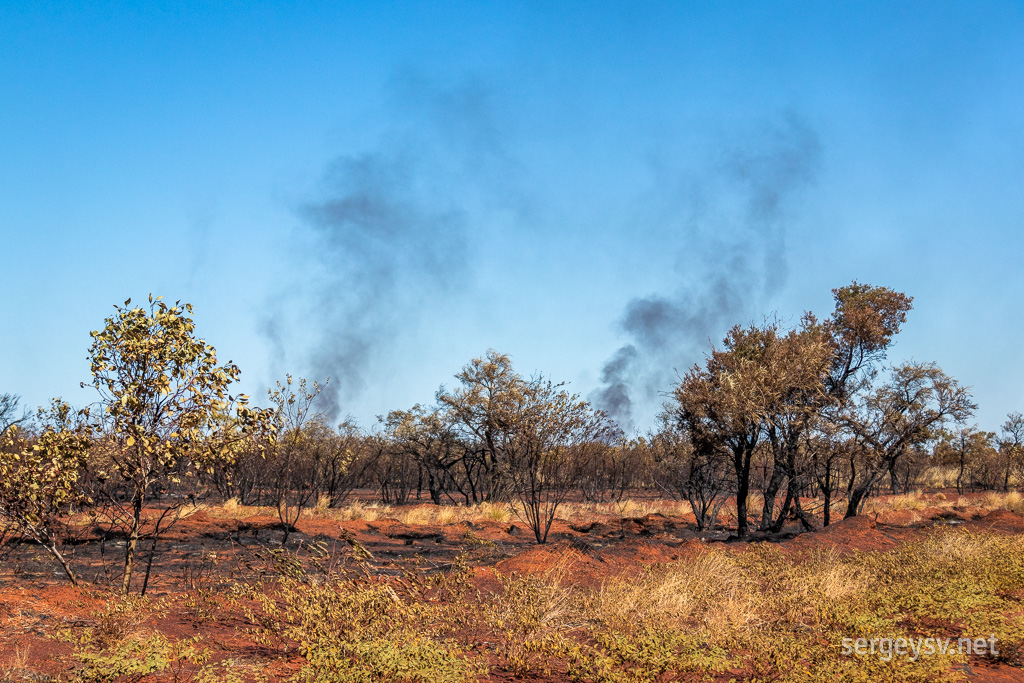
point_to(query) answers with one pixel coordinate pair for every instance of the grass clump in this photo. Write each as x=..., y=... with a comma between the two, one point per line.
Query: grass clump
x=348, y=630
x=530, y=618
x=780, y=616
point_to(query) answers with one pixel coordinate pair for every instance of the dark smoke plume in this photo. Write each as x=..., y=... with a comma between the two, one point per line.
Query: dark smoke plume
x=389, y=232
x=731, y=224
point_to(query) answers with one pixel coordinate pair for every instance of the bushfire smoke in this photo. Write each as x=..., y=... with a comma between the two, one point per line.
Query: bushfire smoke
x=731, y=219
x=389, y=232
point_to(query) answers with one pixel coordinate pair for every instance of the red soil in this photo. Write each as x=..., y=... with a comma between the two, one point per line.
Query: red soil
x=35, y=601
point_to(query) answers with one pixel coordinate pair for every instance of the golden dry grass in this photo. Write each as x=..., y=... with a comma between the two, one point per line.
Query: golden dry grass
x=706, y=590
x=1012, y=501
x=626, y=507
x=938, y=477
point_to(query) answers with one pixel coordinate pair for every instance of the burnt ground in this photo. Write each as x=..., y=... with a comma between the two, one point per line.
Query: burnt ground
x=209, y=549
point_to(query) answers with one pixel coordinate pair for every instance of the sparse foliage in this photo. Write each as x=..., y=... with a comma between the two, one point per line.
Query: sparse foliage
x=164, y=406
x=39, y=479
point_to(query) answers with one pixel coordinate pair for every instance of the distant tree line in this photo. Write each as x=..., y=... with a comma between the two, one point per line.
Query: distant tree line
x=807, y=415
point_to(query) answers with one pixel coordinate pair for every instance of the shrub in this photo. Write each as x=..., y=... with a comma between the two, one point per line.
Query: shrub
x=354, y=631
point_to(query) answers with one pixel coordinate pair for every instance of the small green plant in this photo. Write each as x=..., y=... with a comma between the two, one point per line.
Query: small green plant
x=353, y=630
x=120, y=618
x=201, y=599
x=471, y=540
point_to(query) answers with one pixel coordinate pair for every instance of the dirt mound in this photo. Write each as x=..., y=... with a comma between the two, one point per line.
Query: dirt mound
x=581, y=563
x=598, y=529
x=405, y=532
x=1002, y=521
x=848, y=535
x=544, y=559
x=259, y=523
x=649, y=525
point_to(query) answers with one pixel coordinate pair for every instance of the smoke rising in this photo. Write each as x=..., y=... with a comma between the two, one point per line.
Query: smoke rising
x=731, y=218
x=389, y=231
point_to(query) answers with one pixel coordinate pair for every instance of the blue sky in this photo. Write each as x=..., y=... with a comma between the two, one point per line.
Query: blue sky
x=382, y=191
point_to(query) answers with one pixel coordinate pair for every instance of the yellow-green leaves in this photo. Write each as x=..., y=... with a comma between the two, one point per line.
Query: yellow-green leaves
x=166, y=404
x=39, y=474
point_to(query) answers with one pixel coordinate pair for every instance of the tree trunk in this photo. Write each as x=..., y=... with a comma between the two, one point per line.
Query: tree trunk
x=856, y=497
x=65, y=565
x=741, y=460
x=770, y=492
x=132, y=542
x=826, y=515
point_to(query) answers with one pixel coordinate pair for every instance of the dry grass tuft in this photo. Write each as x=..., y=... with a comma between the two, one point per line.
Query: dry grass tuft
x=323, y=505
x=707, y=590
x=495, y=512
x=15, y=668
x=907, y=501
x=938, y=477
x=1012, y=501
x=358, y=510
x=186, y=512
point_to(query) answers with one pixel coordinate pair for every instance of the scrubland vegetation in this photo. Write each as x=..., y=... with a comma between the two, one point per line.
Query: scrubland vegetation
x=780, y=430
x=762, y=614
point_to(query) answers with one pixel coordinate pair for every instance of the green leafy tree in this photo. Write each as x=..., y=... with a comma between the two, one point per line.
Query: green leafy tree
x=39, y=477
x=165, y=410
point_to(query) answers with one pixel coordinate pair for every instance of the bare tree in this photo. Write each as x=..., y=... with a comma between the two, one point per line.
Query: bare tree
x=529, y=436
x=907, y=411
x=697, y=473
x=293, y=459
x=609, y=472
x=1011, y=447
x=8, y=413
x=551, y=436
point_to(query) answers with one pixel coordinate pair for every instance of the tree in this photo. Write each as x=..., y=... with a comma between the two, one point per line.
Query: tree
x=969, y=450
x=862, y=327
x=8, y=413
x=164, y=405
x=293, y=461
x=551, y=437
x=799, y=367
x=528, y=437
x=865, y=320
x=698, y=473
x=888, y=422
x=818, y=368
x=768, y=390
x=430, y=439
x=829, y=450
x=608, y=473
x=725, y=404
x=483, y=409
x=344, y=463
x=39, y=479
x=1011, y=446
